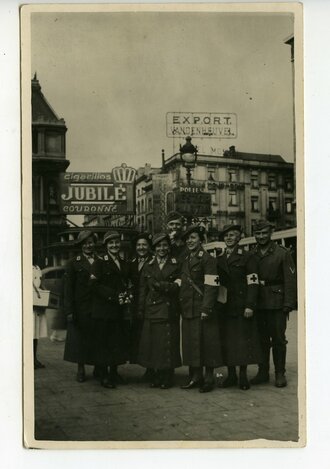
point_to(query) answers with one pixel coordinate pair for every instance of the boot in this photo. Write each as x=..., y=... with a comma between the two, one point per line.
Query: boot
x=279, y=357
x=280, y=380
x=231, y=379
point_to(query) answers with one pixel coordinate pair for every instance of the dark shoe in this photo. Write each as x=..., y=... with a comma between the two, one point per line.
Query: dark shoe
x=206, y=387
x=229, y=382
x=244, y=384
x=166, y=385
x=38, y=364
x=192, y=384
x=106, y=383
x=280, y=380
x=81, y=377
x=155, y=382
x=260, y=378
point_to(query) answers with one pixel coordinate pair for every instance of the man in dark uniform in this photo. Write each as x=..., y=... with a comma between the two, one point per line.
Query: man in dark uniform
x=78, y=304
x=109, y=281
x=277, y=297
x=174, y=228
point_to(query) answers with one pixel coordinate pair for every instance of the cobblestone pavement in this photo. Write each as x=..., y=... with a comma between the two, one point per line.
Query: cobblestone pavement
x=67, y=410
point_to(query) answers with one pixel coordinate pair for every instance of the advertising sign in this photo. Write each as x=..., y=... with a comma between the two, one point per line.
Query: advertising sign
x=98, y=193
x=201, y=125
x=193, y=201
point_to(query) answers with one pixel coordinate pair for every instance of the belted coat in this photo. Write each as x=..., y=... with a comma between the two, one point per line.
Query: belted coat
x=240, y=338
x=201, y=344
x=159, y=306
x=78, y=308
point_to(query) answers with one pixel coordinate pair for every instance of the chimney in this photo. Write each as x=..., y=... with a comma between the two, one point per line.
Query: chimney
x=232, y=151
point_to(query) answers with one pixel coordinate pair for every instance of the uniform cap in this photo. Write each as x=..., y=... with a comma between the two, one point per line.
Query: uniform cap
x=173, y=216
x=83, y=235
x=146, y=236
x=200, y=230
x=261, y=224
x=227, y=228
x=160, y=237
x=110, y=235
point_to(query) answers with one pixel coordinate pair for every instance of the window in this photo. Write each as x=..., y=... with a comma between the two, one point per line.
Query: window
x=288, y=206
x=142, y=205
x=150, y=204
x=272, y=204
x=254, y=182
x=232, y=176
x=211, y=174
x=272, y=182
x=254, y=204
x=233, y=198
x=150, y=226
x=288, y=185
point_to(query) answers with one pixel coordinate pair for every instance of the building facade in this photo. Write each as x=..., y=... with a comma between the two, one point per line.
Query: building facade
x=48, y=161
x=236, y=187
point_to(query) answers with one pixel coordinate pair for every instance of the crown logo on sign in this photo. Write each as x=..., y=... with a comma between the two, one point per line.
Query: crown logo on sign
x=123, y=174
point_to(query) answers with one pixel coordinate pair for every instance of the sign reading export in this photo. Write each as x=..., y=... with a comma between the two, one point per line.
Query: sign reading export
x=98, y=193
x=201, y=125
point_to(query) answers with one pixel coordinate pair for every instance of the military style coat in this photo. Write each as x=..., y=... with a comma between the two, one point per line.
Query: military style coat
x=135, y=276
x=199, y=285
x=239, y=274
x=277, y=278
x=107, y=281
x=158, y=293
x=78, y=304
x=77, y=291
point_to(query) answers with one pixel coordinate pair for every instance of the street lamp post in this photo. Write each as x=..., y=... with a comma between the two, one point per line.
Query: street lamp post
x=188, y=154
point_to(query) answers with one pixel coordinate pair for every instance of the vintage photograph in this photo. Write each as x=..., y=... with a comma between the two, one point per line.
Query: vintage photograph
x=163, y=266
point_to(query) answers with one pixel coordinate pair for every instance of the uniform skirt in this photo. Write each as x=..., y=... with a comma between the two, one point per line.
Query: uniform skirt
x=201, y=344
x=79, y=343
x=241, y=341
x=160, y=344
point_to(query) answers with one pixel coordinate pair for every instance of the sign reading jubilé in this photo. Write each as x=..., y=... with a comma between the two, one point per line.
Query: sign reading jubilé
x=201, y=124
x=98, y=193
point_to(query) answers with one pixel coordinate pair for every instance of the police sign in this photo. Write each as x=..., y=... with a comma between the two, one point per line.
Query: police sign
x=201, y=125
x=98, y=193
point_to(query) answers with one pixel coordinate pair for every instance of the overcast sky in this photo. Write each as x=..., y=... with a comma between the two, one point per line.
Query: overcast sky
x=114, y=76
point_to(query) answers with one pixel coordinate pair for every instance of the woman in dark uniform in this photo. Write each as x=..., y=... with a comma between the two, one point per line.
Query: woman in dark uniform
x=158, y=305
x=78, y=305
x=109, y=281
x=200, y=330
x=142, y=257
x=241, y=342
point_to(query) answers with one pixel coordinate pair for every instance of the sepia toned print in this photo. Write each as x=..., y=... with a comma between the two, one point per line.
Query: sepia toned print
x=165, y=228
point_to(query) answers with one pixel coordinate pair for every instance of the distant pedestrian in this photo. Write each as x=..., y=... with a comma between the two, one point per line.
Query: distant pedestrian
x=109, y=282
x=277, y=297
x=143, y=254
x=239, y=271
x=78, y=305
x=39, y=318
x=201, y=345
x=158, y=305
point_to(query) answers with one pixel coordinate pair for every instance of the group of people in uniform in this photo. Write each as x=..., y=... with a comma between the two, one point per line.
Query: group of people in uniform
x=174, y=304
